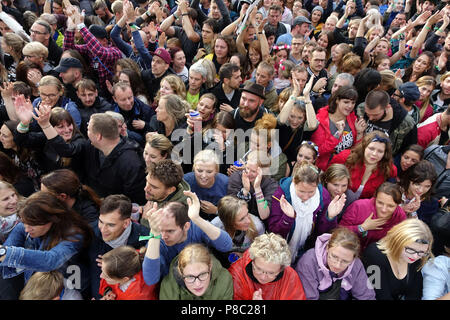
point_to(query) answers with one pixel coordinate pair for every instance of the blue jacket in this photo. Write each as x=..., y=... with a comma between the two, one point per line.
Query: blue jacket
x=66, y=104
x=26, y=254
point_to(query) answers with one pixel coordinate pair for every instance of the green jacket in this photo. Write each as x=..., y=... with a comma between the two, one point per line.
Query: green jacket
x=220, y=286
x=178, y=195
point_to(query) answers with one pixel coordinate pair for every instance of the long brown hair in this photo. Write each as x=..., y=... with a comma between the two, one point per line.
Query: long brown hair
x=66, y=181
x=356, y=157
x=228, y=208
x=44, y=207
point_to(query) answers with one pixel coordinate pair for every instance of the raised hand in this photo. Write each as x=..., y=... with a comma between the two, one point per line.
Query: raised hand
x=194, y=205
x=7, y=89
x=286, y=207
x=43, y=115
x=258, y=179
x=154, y=216
x=24, y=109
x=320, y=84
x=162, y=40
x=307, y=88
x=336, y=205
x=257, y=295
x=245, y=181
x=422, y=19
x=360, y=125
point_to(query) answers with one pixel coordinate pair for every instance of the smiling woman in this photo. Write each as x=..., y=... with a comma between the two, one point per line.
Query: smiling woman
x=196, y=274
x=398, y=258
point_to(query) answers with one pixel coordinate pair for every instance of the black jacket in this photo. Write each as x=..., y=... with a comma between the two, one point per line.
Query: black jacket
x=217, y=90
x=99, y=247
x=100, y=105
x=121, y=172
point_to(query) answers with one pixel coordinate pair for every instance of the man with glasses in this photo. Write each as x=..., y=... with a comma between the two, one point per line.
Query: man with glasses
x=385, y=114
x=316, y=69
x=266, y=265
x=41, y=31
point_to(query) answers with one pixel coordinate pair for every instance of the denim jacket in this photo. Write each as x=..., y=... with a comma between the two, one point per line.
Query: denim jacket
x=26, y=254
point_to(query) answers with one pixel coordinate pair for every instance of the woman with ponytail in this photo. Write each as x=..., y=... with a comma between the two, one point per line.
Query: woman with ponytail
x=66, y=185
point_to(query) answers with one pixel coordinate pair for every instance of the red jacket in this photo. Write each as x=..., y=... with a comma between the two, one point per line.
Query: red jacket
x=429, y=130
x=327, y=142
x=376, y=179
x=289, y=287
x=138, y=289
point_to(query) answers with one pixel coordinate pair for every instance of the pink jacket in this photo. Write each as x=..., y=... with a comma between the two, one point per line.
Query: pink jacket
x=359, y=211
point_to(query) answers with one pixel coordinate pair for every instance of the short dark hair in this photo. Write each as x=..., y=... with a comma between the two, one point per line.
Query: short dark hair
x=344, y=92
x=167, y=172
x=105, y=125
x=213, y=24
x=114, y=202
x=226, y=70
x=377, y=98
x=179, y=211
x=21, y=87
x=418, y=173
x=276, y=7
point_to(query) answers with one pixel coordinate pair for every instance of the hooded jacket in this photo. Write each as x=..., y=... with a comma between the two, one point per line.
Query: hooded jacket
x=316, y=277
x=359, y=211
x=220, y=286
x=121, y=172
x=100, y=105
x=327, y=142
x=286, y=286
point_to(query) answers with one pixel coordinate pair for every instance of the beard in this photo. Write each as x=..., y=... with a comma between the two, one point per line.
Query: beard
x=246, y=112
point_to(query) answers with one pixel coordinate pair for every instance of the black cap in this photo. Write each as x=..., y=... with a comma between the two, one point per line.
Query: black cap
x=67, y=63
x=255, y=88
x=98, y=31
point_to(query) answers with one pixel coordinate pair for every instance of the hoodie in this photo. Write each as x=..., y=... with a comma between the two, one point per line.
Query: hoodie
x=316, y=277
x=220, y=285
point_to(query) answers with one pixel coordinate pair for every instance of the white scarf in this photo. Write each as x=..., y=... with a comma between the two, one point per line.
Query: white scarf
x=121, y=240
x=303, y=220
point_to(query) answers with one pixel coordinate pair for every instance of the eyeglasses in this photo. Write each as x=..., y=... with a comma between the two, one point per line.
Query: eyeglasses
x=257, y=270
x=37, y=32
x=201, y=277
x=26, y=56
x=332, y=257
x=50, y=96
x=397, y=95
x=419, y=253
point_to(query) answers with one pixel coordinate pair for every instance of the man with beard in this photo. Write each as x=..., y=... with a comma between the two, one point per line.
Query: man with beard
x=250, y=106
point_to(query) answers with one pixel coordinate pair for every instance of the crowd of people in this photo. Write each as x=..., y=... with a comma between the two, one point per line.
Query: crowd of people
x=224, y=150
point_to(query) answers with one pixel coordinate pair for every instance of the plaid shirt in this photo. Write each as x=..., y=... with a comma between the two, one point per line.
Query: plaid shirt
x=99, y=56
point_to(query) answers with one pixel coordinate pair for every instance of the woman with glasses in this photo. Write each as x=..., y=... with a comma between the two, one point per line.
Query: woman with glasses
x=332, y=270
x=370, y=164
x=121, y=277
x=394, y=263
x=51, y=94
x=372, y=218
x=37, y=53
x=195, y=274
x=264, y=272
x=339, y=129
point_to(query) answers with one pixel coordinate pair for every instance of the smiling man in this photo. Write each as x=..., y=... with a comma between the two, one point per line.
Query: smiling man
x=114, y=229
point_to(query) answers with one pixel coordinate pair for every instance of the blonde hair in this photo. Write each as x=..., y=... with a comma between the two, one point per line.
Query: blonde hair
x=228, y=208
x=176, y=84
x=266, y=124
x=206, y=156
x=335, y=172
x=14, y=41
x=271, y=248
x=35, y=48
x=176, y=107
x=401, y=235
x=193, y=253
x=43, y=286
x=52, y=81
x=117, y=7
x=162, y=143
x=425, y=81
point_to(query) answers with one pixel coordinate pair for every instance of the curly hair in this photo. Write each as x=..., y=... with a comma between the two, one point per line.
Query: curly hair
x=271, y=248
x=167, y=172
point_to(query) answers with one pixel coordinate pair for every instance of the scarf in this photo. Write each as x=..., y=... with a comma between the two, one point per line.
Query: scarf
x=303, y=219
x=122, y=239
x=7, y=224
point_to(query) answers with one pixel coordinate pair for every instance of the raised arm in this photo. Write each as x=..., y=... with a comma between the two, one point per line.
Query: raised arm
x=166, y=25
x=420, y=39
x=187, y=25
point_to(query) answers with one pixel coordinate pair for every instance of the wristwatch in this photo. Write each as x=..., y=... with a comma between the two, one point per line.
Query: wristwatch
x=361, y=229
x=2, y=251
